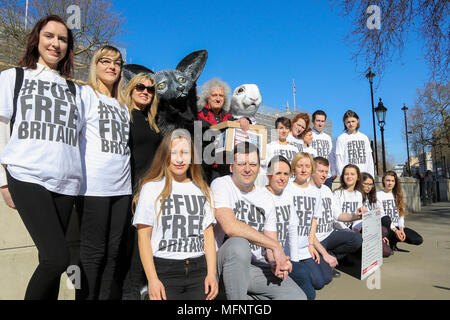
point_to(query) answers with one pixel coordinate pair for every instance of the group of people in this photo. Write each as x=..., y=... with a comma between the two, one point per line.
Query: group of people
x=150, y=216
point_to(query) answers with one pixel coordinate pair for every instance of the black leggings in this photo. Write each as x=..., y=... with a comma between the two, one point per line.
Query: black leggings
x=102, y=224
x=412, y=237
x=46, y=216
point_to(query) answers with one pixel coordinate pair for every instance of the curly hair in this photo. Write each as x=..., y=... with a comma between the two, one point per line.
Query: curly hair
x=206, y=91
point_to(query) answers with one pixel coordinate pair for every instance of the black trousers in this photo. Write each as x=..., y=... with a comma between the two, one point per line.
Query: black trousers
x=182, y=279
x=46, y=216
x=412, y=237
x=102, y=225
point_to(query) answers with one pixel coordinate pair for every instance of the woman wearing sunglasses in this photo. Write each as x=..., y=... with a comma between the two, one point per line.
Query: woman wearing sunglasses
x=142, y=101
x=105, y=193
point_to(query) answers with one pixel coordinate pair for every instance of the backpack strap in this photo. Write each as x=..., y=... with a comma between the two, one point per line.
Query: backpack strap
x=17, y=87
x=72, y=87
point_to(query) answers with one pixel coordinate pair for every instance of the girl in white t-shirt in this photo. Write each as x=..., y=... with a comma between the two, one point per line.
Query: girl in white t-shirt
x=299, y=124
x=394, y=211
x=369, y=193
x=105, y=194
x=353, y=147
x=174, y=219
x=308, y=266
x=348, y=196
x=42, y=157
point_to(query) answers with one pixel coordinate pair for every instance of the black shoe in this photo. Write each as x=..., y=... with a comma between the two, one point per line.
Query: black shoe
x=336, y=274
x=395, y=248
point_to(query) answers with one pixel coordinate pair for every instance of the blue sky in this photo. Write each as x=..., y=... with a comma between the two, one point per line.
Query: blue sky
x=270, y=43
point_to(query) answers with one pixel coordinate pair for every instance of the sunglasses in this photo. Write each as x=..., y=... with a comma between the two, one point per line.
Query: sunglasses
x=140, y=87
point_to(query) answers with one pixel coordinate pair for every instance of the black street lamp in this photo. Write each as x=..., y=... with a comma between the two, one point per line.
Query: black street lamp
x=408, y=168
x=380, y=110
x=370, y=76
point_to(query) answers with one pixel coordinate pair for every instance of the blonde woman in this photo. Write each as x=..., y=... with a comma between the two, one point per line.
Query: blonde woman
x=142, y=100
x=174, y=219
x=105, y=193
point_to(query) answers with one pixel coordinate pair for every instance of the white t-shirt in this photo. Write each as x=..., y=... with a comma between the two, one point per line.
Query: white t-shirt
x=389, y=208
x=105, y=153
x=330, y=214
x=185, y=214
x=274, y=149
x=307, y=204
x=278, y=220
x=298, y=143
x=310, y=150
x=354, y=149
x=44, y=145
x=322, y=143
x=348, y=202
x=251, y=208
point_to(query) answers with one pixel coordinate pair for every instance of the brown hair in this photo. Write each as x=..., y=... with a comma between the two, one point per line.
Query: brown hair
x=160, y=170
x=321, y=160
x=398, y=193
x=358, y=180
x=284, y=121
x=372, y=195
x=303, y=116
x=31, y=56
x=350, y=114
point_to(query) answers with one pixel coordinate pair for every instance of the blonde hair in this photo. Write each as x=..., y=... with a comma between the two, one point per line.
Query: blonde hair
x=128, y=100
x=301, y=155
x=94, y=82
x=160, y=170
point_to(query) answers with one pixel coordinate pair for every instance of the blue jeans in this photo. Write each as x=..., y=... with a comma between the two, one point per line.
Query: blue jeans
x=321, y=273
x=341, y=242
x=301, y=274
x=244, y=280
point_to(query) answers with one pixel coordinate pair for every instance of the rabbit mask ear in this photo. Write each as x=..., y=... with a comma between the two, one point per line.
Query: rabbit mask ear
x=193, y=64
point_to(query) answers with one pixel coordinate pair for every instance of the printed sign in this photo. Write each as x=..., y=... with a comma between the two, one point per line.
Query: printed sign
x=372, y=254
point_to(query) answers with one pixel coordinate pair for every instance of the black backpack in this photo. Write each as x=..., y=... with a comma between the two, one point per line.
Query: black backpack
x=18, y=86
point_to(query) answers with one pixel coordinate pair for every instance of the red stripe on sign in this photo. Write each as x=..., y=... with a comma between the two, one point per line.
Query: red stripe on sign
x=370, y=267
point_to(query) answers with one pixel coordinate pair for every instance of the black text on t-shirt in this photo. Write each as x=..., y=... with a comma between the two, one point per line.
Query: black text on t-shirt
x=325, y=223
x=305, y=208
x=390, y=209
x=54, y=116
x=185, y=231
x=322, y=147
x=349, y=207
x=114, y=129
x=282, y=214
x=356, y=150
x=252, y=215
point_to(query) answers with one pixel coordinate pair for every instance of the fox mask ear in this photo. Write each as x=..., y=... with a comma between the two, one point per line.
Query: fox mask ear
x=193, y=64
x=132, y=70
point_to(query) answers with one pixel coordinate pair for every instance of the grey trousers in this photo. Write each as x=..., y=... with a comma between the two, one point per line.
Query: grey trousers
x=244, y=280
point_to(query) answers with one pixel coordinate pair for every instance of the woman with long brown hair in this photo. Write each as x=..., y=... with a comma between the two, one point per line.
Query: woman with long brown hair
x=348, y=196
x=42, y=157
x=394, y=208
x=174, y=219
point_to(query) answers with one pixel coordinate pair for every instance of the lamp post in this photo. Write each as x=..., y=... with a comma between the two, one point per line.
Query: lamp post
x=370, y=76
x=404, y=109
x=380, y=110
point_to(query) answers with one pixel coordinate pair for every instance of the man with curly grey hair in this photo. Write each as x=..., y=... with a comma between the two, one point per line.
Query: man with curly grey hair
x=214, y=105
